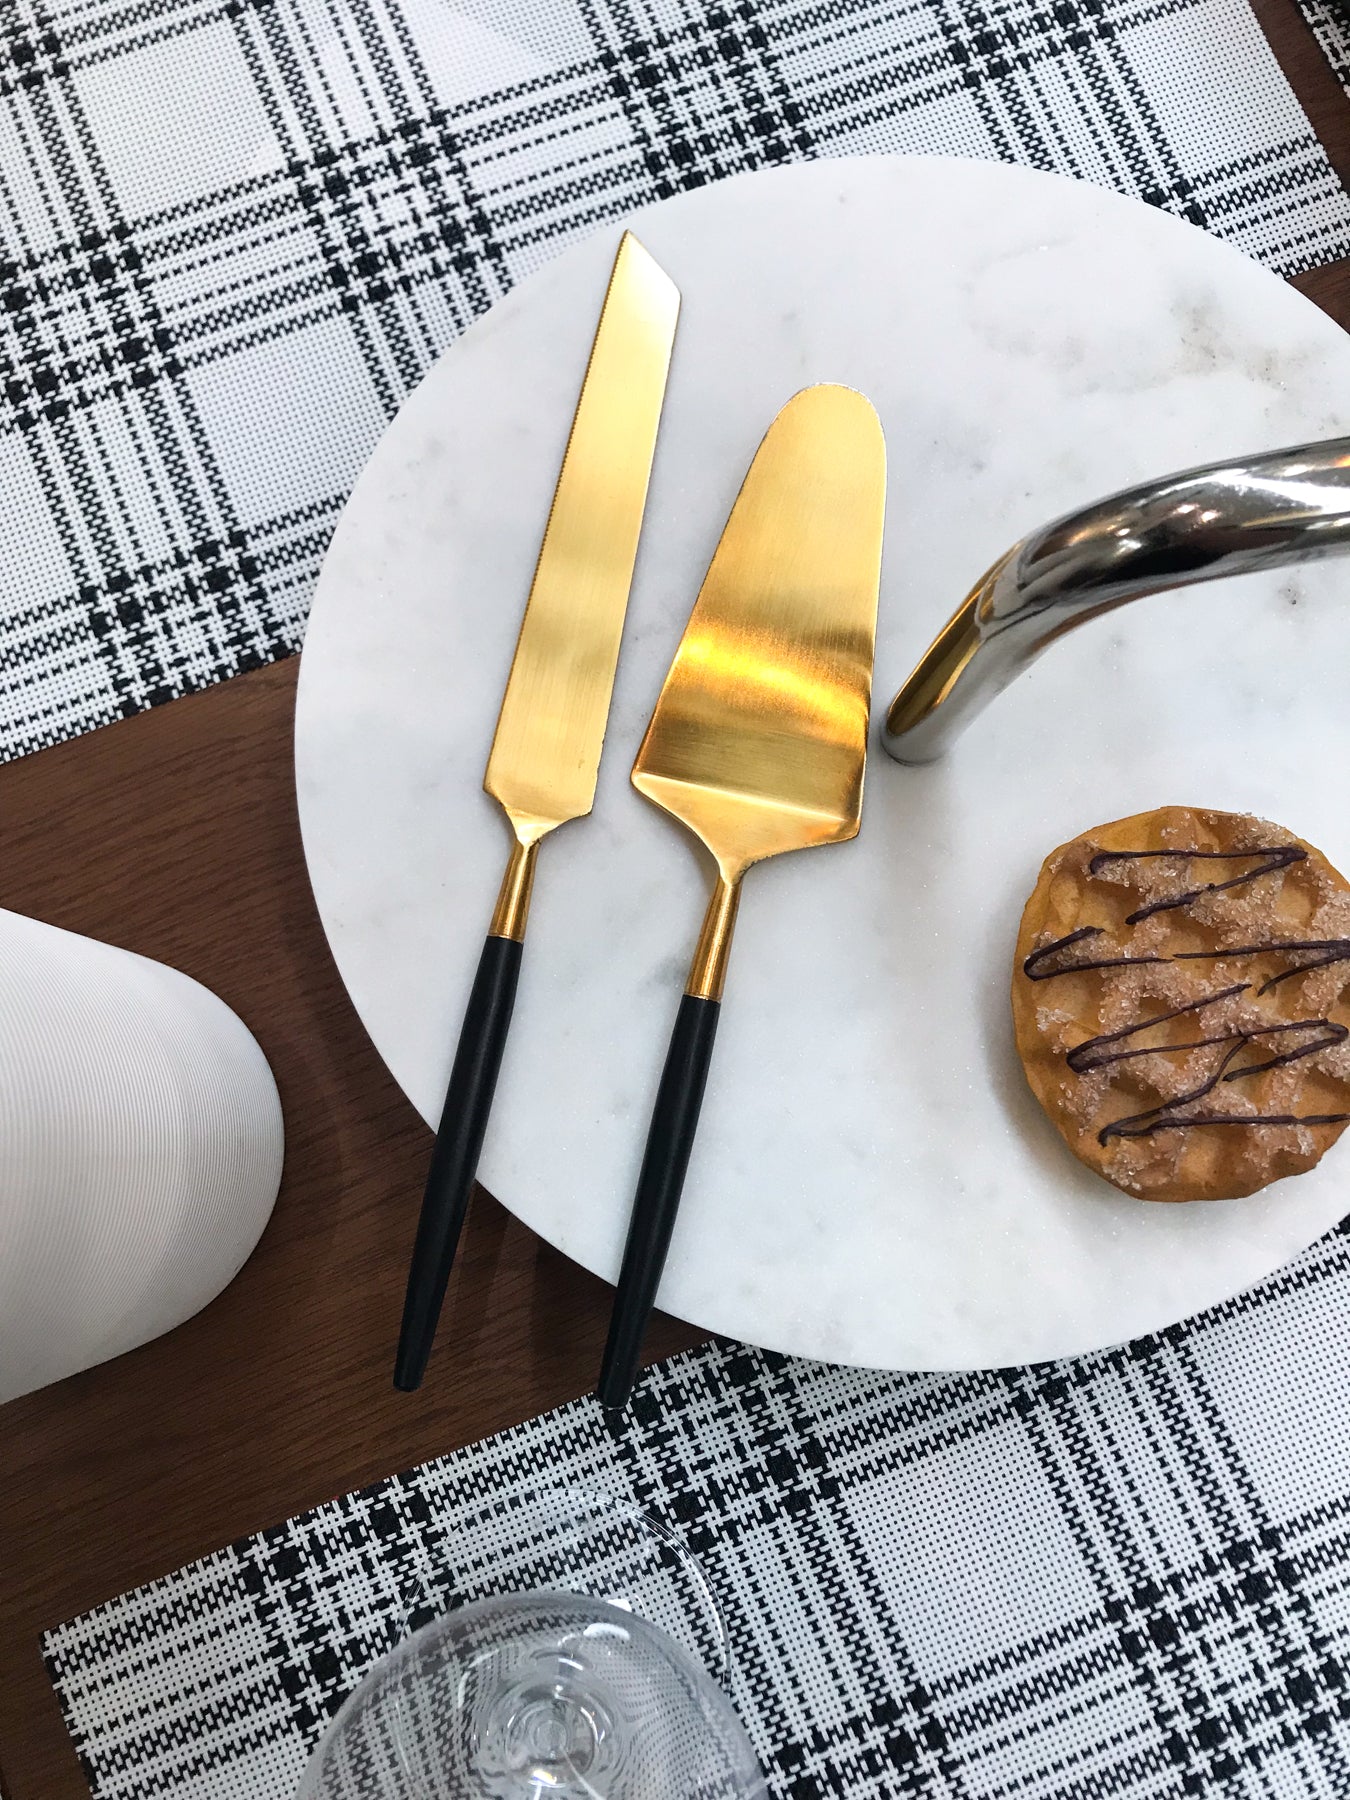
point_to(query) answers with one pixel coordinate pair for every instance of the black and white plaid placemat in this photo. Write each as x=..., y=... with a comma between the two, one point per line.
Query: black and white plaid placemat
x=1124, y=1576
x=233, y=234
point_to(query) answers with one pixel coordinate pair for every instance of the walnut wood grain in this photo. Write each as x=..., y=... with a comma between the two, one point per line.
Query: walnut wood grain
x=175, y=834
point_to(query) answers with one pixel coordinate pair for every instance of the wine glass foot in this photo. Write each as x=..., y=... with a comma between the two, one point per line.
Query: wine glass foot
x=536, y=1696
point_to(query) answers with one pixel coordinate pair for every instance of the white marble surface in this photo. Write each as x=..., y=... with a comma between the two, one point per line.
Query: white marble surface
x=872, y=1183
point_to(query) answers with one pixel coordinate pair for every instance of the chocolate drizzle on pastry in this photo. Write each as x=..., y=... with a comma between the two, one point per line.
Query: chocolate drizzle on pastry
x=1330, y=950
x=1301, y=1037
x=1333, y=950
x=1276, y=856
x=1168, y=1115
x=1034, y=972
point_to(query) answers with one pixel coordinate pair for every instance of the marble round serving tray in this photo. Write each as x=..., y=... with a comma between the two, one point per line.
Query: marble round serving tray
x=872, y=1182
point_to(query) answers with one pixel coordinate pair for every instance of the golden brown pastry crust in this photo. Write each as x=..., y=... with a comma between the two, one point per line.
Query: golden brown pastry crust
x=1223, y=961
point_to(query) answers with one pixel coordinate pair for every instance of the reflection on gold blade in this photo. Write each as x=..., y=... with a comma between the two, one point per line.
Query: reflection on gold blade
x=759, y=737
x=546, y=751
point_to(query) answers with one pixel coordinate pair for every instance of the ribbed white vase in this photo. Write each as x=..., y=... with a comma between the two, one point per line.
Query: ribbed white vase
x=140, y=1150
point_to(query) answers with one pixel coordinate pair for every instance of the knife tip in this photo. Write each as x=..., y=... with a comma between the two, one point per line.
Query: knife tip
x=633, y=259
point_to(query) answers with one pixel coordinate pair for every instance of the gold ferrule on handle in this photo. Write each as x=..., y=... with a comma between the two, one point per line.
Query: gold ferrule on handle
x=708, y=971
x=513, y=901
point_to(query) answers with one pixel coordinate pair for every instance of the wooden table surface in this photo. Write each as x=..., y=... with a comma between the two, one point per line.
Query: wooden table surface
x=175, y=834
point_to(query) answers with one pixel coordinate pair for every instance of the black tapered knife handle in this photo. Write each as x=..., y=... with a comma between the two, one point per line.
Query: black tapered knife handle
x=669, y=1141
x=459, y=1139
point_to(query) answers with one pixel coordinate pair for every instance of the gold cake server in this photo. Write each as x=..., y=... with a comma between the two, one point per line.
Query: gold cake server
x=758, y=745
x=546, y=751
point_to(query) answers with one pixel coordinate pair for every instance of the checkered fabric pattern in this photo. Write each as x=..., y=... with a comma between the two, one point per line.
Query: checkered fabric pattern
x=1122, y=1576
x=1330, y=20
x=234, y=233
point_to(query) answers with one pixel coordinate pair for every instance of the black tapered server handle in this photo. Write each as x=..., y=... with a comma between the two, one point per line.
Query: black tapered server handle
x=459, y=1138
x=669, y=1141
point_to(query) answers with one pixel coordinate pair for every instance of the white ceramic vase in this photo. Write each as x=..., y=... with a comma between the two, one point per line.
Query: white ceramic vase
x=140, y=1150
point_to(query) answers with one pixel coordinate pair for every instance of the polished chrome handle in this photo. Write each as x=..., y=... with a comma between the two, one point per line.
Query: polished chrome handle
x=1256, y=512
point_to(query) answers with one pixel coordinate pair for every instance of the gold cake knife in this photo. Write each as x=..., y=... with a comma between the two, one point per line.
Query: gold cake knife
x=546, y=752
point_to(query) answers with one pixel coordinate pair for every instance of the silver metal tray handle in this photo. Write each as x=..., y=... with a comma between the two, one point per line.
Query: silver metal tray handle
x=1256, y=512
